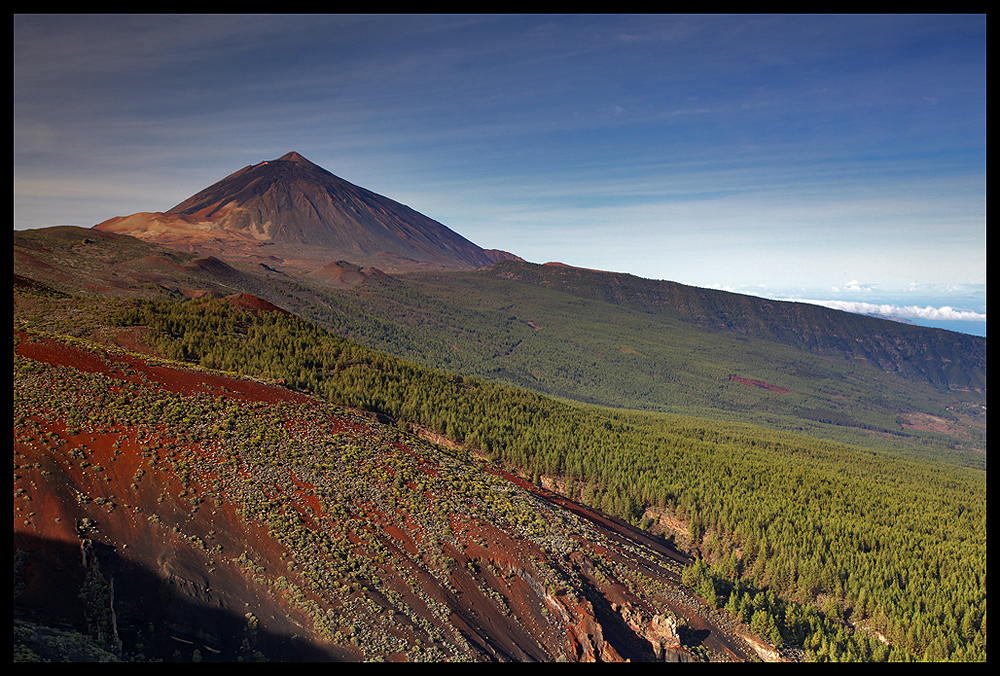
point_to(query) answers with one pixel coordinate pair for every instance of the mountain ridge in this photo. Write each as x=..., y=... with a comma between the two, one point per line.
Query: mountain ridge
x=822, y=330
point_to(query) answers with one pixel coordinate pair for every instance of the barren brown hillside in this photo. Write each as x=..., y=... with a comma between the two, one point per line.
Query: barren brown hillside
x=291, y=213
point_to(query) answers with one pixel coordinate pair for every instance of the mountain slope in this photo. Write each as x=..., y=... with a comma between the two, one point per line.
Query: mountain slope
x=770, y=513
x=625, y=353
x=300, y=216
x=182, y=514
x=941, y=358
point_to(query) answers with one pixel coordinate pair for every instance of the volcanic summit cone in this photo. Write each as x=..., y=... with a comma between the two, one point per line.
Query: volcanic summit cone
x=292, y=213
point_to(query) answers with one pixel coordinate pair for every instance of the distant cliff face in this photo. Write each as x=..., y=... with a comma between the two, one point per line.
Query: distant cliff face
x=292, y=212
x=944, y=359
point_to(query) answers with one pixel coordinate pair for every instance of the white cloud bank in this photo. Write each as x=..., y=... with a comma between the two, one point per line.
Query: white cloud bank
x=929, y=313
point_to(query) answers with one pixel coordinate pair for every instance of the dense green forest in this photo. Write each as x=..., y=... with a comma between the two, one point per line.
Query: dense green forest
x=814, y=543
x=627, y=354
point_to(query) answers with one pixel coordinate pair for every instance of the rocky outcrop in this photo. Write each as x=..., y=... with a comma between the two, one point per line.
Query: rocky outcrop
x=586, y=638
x=659, y=630
x=98, y=595
x=766, y=652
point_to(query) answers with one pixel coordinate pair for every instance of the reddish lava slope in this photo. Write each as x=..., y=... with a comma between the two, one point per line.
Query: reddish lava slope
x=175, y=513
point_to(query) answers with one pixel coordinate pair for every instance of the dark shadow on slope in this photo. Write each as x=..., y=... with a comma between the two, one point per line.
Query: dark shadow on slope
x=130, y=611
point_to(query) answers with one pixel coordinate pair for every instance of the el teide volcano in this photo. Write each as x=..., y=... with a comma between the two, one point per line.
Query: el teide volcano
x=294, y=215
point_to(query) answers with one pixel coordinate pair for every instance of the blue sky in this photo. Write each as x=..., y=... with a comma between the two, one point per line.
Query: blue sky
x=830, y=158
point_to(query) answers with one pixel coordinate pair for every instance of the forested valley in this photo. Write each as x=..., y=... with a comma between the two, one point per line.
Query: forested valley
x=561, y=332
x=844, y=551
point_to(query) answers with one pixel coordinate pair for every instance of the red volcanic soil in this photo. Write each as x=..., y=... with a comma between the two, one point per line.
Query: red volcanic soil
x=134, y=369
x=298, y=555
x=96, y=504
x=249, y=302
x=761, y=384
x=684, y=606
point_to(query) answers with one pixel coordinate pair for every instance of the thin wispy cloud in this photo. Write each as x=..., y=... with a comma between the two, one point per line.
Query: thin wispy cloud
x=853, y=285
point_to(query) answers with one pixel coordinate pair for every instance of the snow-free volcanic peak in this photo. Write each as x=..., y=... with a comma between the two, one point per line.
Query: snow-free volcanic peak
x=291, y=212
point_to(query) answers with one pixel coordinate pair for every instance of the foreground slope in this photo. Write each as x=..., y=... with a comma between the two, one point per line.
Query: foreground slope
x=174, y=513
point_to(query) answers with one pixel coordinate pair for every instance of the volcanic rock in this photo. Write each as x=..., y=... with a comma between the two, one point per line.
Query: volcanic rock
x=299, y=216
